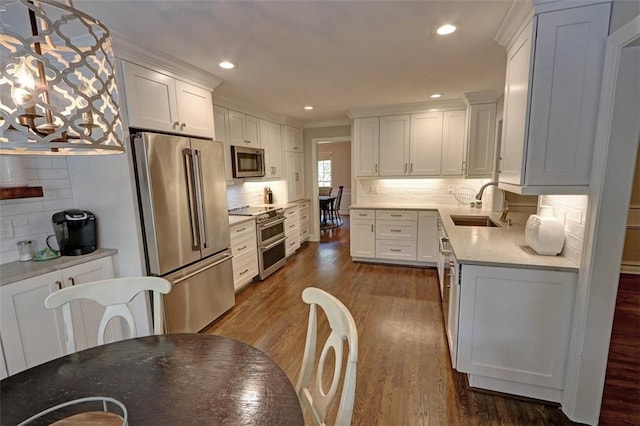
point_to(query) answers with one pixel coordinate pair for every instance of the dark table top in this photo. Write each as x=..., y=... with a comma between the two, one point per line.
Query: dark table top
x=172, y=379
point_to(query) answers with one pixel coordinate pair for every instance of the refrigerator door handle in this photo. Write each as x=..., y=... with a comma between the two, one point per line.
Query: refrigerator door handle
x=192, y=197
x=204, y=268
x=202, y=213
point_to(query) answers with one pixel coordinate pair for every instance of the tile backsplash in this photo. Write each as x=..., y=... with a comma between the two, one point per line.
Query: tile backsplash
x=252, y=193
x=572, y=210
x=440, y=191
x=30, y=218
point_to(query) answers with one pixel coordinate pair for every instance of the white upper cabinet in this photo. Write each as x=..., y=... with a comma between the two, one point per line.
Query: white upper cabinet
x=295, y=176
x=394, y=145
x=271, y=139
x=453, y=142
x=244, y=130
x=552, y=87
x=156, y=101
x=366, y=137
x=426, y=144
x=481, y=140
x=221, y=121
x=293, y=139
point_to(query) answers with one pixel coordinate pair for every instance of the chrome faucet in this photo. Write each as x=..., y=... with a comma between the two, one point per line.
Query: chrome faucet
x=482, y=188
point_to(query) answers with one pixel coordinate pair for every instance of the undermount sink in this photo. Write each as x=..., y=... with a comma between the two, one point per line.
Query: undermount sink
x=474, y=221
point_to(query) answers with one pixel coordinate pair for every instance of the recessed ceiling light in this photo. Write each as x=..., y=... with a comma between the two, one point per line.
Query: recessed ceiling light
x=436, y=95
x=227, y=65
x=308, y=107
x=446, y=29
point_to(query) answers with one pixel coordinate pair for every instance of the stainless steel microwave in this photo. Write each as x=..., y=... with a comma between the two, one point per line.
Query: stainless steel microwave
x=247, y=162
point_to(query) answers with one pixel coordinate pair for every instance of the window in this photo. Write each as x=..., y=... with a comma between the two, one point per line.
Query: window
x=324, y=172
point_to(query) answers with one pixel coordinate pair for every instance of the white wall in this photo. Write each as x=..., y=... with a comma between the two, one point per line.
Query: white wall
x=31, y=217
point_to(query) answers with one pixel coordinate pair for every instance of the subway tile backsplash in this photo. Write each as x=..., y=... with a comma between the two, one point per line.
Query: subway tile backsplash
x=30, y=218
x=572, y=210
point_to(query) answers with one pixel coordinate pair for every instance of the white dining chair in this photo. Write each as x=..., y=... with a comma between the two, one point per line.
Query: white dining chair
x=113, y=294
x=343, y=328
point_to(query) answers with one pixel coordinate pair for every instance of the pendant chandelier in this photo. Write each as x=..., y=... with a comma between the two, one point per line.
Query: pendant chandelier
x=58, y=92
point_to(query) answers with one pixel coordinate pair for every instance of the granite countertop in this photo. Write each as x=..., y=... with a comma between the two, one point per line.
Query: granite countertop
x=17, y=271
x=499, y=246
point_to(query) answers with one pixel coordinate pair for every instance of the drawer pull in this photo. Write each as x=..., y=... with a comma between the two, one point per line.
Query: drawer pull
x=395, y=230
x=240, y=230
x=243, y=272
x=395, y=215
x=362, y=214
x=242, y=248
x=396, y=250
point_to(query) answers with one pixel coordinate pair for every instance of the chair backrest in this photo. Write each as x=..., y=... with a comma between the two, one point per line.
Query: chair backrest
x=114, y=294
x=342, y=328
x=336, y=204
x=324, y=190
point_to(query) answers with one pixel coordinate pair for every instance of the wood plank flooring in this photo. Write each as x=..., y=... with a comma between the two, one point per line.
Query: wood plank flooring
x=404, y=375
x=621, y=396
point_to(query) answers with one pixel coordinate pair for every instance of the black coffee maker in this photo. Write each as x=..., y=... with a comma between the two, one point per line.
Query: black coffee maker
x=75, y=231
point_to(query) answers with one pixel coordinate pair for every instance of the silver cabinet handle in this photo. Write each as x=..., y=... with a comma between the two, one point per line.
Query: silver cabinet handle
x=58, y=284
x=240, y=230
x=411, y=168
x=242, y=248
x=405, y=168
x=395, y=250
x=243, y=272
x=375, y=166
x=395, y=230
x=182, y=126
x=371, y=228
x=72, y=281
x=175, y=124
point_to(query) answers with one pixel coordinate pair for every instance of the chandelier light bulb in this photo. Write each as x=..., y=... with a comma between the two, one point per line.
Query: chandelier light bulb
x=21, y=93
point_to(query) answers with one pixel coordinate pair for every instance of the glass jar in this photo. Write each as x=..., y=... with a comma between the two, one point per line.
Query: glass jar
x=25, y=250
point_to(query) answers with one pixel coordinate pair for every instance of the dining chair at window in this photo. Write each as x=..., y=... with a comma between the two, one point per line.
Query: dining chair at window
x=310, y=387
x=335, y=208
x=113, y=294
x=324, y=190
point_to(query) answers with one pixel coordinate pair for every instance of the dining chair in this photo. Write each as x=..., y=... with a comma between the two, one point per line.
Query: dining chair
x=113, y=294
x=343, y=328
x=324, y=190
x=335, y=208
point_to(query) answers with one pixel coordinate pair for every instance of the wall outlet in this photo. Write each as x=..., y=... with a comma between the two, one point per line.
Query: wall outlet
x=6, y=229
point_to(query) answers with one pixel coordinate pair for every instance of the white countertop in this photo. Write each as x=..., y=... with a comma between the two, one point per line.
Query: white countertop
x=17, y=271
x=234, y=219
x=500, y=246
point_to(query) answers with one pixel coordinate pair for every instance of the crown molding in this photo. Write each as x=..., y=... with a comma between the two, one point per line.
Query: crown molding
x=159, y=61
x=481, y=97
x=255, y=111
x=439, y=105
x=332, y=123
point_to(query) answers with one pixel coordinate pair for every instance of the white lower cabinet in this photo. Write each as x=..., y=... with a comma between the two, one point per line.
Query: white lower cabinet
x=31, y=333
x=363, y=233
x=292, y=229
x=514, y=329
x=396, y=234
x=427, y=236
x=304, y=214
x=244, y=248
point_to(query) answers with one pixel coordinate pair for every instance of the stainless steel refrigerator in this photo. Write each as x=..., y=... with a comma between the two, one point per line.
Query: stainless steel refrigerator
x=183, y=204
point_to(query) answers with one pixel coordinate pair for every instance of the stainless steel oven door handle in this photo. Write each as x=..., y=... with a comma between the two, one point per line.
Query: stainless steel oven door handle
x=204, y=268
x=272, y=245
x=270, y=223
x=441, y=242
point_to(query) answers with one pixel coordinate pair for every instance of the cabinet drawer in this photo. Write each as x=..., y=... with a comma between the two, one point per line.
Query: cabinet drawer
x=397, y=214
x=240, y=230
x=304, y=234
x=245, y=243
x=398, y=250
x=291, y=213
x=396, y=230
x=292, y=244
x=363, y=214
x=291, y=227
x=244, y=269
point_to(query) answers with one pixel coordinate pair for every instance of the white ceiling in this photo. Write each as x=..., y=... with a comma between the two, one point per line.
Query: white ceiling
x=334, y=55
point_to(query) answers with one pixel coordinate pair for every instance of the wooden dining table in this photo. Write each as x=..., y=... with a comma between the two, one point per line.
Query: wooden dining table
x=172, y=379
x=326, y=204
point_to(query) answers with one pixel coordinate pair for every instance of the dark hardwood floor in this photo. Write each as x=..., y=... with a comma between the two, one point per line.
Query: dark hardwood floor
x=621, y=397
x=404, y=374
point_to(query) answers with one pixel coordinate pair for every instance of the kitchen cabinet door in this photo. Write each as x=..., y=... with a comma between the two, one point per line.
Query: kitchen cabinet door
x=33, y=334
x=552, y=88
x=362, y=234
x=426, y=144
x=394, y=145
x=221, y=124
x=156, y=101
x=270, y=137
x=295, y=176
x=150, y=98
x=293, y=141
x=427, y=236
x=453, y=142
x=482, y=140
x=252, y=131
x=244, y=130
x=366, y=138
x=514, y=329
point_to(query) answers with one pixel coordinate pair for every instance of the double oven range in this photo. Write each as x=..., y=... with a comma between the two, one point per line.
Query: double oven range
x=271, y=238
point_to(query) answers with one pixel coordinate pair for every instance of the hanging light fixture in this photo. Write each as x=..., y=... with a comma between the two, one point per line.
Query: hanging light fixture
x=58, y=93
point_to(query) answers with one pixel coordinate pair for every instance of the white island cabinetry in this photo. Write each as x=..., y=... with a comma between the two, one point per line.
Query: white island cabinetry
x=514, y=328
x=31, y=333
